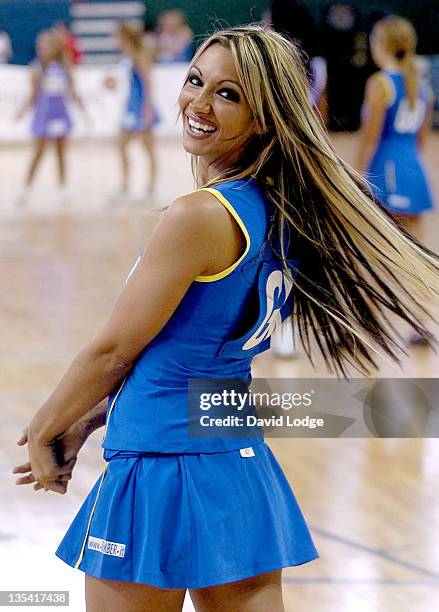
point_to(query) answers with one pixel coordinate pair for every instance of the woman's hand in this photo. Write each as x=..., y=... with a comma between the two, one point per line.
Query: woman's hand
x=45, y=468
x=21, y=113
x=58, y=459
x=110, y=83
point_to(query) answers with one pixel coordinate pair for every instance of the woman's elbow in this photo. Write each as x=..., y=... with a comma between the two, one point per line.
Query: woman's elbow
x=111, y=355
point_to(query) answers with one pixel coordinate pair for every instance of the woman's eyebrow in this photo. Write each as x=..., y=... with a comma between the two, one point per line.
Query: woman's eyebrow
x=230, y=81
x=219, y=82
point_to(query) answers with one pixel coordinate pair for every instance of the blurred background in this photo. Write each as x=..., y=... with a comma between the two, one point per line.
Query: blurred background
x=68, y=240
x=339, y=36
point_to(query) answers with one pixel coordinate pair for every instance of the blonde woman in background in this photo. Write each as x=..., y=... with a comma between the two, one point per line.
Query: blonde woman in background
x=139, y=115
x=396, y=119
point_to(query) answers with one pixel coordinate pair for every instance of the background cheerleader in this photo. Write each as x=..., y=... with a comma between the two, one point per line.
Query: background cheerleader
x=397, y=115
x=139, y=115
x=51, y=90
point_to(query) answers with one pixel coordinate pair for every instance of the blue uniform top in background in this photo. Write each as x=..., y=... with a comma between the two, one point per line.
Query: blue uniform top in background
x=140, y=114
x=395, y=171
x=222, y=322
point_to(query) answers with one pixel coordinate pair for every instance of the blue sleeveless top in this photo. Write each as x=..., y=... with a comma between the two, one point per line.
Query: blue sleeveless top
x=401, y=121
x=222, y=322
x=139, y=113
x=396, y=170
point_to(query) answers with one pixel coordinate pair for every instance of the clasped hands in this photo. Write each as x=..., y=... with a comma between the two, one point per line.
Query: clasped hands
x=50, y=465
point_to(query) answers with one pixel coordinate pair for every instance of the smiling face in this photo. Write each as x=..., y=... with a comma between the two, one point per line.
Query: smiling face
x=217, y=120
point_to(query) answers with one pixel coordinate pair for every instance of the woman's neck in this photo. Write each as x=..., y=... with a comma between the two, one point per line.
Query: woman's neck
x=207, y=171
x=391, y=64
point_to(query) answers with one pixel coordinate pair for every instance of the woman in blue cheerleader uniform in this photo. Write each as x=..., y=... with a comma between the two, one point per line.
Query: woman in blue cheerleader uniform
x=139, y=115
x=397, y=116
x=268, y=234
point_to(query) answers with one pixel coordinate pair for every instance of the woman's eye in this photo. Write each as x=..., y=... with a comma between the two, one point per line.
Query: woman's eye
x=194, y=80
x=229, y=94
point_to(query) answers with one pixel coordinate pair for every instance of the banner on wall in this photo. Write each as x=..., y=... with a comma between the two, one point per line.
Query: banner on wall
x=104, y=106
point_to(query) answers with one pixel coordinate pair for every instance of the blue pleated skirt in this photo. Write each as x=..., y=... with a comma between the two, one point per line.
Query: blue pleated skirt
x=188, y=520
x=398, y=179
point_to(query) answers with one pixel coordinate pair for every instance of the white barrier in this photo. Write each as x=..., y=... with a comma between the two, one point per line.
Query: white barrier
x=104, y=106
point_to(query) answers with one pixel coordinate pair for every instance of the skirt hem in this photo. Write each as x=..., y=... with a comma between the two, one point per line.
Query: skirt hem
x=160, y=582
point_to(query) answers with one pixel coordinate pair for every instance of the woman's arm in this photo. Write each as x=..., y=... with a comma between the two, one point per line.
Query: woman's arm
x=144, y=62
x=75, y=97
x=95, y=418
x=376, y=100
x=426, y=124
x=193, y=236
x=35, y=82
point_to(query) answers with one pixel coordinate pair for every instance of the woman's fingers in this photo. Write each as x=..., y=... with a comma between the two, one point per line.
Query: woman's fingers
x=21, y=469
x=62, y=476
x=26, y=467
x=23, y=438
x=51, y=477
x=29, y=479
x=56, y=474
x=57, y=487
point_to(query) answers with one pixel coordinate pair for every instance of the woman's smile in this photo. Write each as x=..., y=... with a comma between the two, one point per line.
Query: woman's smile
x=198, y=128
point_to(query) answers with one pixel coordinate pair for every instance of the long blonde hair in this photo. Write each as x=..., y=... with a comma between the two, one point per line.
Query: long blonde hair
x=353, y=256
x=133, y=34
x=399, y=39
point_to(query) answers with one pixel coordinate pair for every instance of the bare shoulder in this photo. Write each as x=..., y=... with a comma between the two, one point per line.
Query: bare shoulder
x=199, y=209
x=379, y=88
x=208, y=230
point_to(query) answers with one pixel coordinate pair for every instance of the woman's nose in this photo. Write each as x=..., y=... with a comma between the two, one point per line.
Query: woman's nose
x=202, y=102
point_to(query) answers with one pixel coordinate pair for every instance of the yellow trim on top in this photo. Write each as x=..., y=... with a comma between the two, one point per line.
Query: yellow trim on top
x=78, y=562
x=213, y=277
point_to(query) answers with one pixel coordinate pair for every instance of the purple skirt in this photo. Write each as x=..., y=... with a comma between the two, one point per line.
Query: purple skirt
x=51, y=118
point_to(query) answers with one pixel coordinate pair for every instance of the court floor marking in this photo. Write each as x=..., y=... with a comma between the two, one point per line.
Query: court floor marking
x=371, y=581
x=377, y=552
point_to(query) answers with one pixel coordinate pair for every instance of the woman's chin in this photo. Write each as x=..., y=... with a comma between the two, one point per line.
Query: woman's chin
x=193, y=147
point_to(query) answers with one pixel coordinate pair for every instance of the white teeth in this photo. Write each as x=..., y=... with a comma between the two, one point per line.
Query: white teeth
x=200, y=126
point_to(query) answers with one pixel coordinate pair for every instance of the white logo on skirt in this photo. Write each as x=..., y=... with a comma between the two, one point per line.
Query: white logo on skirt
x=107, y=548
x=247, y=452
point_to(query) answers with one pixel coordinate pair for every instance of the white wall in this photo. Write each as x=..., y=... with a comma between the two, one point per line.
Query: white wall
x=104, y=106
